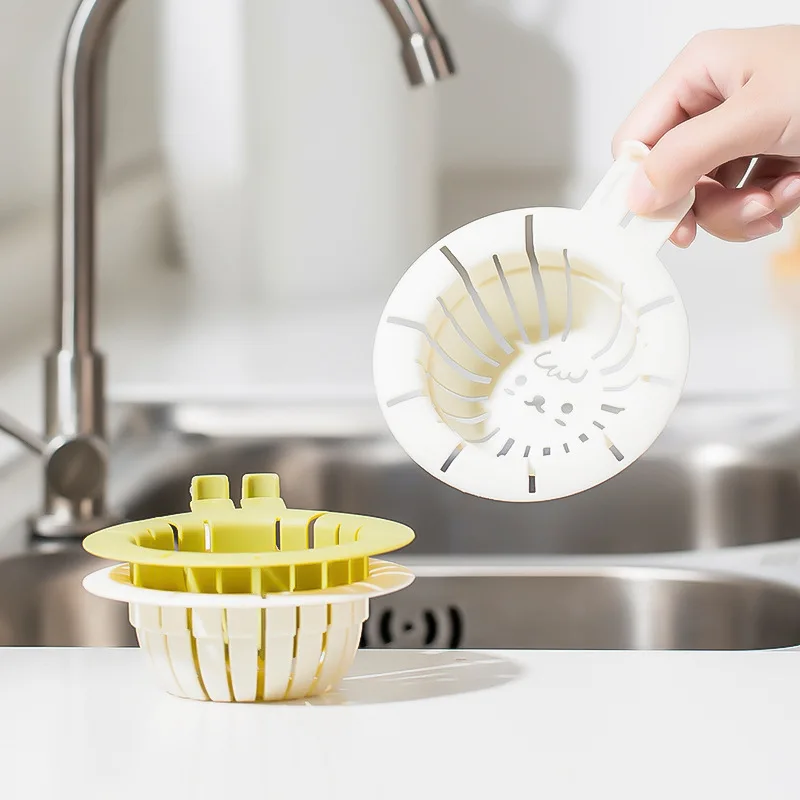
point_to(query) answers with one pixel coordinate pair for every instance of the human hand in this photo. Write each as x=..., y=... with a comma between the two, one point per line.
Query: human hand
x=729, y=96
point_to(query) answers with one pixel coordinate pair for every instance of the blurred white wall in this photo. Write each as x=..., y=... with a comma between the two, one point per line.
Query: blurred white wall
x=31, y=32
x=523, y=61
x=301, y=163
x=542, y=86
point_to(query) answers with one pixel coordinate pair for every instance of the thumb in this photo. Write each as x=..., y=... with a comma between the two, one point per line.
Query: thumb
x=735, y=128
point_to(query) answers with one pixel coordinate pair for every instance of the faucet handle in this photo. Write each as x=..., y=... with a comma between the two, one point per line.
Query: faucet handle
x=22, y=433
x=75, y=470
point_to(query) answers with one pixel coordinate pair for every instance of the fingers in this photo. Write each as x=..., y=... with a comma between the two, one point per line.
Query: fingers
x=731, y=173
x=657, y=112
x=737, y=215
x=786, y=193
x=753, y=211
x=686, y=231
x=771, y=223
x=694, y=148
x=683, y=91
x=768, y=170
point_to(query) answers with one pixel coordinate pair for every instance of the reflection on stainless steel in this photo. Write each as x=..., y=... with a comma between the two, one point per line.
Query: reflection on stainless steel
x=695, y=499
x=42, y=603
x=75, y=401
x=599, y=608
x=659, y=504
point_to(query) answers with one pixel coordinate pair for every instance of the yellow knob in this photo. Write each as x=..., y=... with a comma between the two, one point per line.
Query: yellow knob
x=210, y=487
x=264, y=484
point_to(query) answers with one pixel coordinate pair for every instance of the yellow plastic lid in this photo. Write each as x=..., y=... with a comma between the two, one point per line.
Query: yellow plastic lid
x=259, y=548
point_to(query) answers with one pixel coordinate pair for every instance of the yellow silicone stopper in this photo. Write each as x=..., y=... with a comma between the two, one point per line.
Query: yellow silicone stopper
x=259, y=548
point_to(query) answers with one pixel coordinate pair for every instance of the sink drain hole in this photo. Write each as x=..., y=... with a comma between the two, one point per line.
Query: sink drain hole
x=429, y=628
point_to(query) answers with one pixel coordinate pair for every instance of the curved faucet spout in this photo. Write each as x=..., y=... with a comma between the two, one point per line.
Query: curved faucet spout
x=75, y=400
x=426, y=54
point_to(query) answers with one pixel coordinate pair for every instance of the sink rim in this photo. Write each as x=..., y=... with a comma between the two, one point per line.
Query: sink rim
x=678, y=581
x=146, y=451
x=623, y=572
x=667, y=573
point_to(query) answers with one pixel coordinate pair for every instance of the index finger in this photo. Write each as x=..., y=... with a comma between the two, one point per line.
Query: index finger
x=682, y=92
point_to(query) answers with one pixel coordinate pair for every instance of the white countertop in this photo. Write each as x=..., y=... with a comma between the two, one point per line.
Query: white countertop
x=412, y=724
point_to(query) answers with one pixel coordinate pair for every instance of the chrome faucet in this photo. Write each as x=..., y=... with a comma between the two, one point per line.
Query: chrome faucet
x=73, y=449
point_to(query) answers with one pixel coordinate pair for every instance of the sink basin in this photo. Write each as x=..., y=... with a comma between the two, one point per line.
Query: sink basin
x=691, y=499
x=598, y=608
x=42, y=603
x=661, y=503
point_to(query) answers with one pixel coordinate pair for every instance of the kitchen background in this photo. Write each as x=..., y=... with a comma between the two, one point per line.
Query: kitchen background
x=268, y=175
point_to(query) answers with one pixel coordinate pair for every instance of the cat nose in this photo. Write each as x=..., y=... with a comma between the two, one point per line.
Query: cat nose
x=537, y=403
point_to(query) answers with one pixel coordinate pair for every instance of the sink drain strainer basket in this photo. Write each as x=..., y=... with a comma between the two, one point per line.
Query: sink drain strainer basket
x=253, y=603
x=536, y=353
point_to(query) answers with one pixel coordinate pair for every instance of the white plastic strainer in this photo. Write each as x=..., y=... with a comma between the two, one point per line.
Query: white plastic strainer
x=535, y=353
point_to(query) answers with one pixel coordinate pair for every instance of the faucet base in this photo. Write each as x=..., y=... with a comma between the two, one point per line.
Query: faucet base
x=76, y=458
x=63, y=523
x=58, y=526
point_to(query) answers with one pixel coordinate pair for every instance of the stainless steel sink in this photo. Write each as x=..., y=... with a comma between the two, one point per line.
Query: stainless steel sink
x=43, y=603
x=662, y=503
x=338, y=458
x=596, y=608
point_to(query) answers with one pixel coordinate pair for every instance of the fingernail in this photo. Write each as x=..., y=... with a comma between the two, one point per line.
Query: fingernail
x=642, y=195
x=762, y=227
x=791, y=191
x=680, y=240
x=683, y=235
x=753, y=210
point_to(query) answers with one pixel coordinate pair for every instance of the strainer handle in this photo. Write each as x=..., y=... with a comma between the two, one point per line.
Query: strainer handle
x=609, y=201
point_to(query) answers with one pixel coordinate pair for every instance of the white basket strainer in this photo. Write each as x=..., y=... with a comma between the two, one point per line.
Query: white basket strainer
x=248, y=604
x=535, y=353
x=246, y=647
